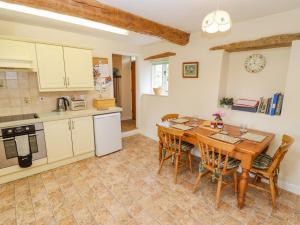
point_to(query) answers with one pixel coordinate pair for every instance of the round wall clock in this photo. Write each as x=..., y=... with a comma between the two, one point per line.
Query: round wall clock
x=255, y=63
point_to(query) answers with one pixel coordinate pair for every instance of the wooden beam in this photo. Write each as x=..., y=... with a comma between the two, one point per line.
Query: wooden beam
x=160, y=56
x=102, y=13
x=276, y=41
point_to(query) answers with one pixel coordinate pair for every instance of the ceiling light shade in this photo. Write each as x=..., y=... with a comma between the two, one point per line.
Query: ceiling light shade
x=62, y=17
x=216, y=21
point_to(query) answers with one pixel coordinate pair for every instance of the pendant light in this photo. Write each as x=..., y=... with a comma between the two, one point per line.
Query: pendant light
x=216, y=21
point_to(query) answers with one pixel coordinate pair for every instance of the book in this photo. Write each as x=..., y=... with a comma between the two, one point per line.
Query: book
x=269, y=106
x=279, y=105
x=261, y=100
x=264, y=105
x=245, y=109
x=274, y=104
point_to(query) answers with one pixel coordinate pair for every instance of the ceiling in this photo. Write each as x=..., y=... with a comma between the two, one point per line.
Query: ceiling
x=187, y=15
x=133, y=38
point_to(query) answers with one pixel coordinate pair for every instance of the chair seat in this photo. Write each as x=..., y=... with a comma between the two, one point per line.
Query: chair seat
x=231, y=164
x=184, y=146
x=263, y=162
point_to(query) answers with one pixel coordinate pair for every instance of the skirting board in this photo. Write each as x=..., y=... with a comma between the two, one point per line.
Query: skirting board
x=281, y=183
x=130, y=133
x=41, y=168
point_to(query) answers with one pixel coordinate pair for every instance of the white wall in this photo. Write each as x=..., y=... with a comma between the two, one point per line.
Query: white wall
x=242, y=84
x=200, y=97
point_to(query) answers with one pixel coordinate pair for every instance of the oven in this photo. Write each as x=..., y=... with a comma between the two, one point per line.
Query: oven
x=8, y=146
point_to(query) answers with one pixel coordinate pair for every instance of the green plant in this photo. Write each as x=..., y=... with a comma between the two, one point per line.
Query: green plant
x=226, y=101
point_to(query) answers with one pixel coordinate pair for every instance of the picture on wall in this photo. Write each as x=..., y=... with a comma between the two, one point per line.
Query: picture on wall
x=190, y=69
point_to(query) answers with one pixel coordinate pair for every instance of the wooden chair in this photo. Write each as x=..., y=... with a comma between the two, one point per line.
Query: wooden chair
x=265, y=166
x=168, y=117
x=216, y=161
x=173, y=146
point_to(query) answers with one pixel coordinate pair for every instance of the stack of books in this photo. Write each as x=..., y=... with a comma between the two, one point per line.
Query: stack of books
x=271, y=106
x=245, y=105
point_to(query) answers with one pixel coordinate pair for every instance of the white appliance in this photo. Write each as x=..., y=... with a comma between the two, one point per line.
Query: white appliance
x=108, y=136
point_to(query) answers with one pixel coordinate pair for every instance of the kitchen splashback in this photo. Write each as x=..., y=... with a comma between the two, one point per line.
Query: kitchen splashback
x=19, y=94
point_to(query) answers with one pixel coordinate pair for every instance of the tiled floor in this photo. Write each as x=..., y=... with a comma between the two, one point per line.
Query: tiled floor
x=124, y=188
x=128, y=125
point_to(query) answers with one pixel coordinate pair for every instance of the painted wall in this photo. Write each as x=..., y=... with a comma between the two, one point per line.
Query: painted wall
x=242, y=84
x=200, y=96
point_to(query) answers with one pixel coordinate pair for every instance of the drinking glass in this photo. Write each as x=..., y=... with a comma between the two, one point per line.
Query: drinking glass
x=243, y=128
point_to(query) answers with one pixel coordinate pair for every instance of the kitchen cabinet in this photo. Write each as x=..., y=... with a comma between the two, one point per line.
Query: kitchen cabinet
x=65, y=138
x=58, y=140
x=51, y=68
x=82, y=135
x=79, y=68
x=17, y=54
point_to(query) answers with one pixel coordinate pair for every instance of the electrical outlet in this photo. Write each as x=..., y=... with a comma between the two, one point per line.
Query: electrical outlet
x=27, y=100
x=42, y=99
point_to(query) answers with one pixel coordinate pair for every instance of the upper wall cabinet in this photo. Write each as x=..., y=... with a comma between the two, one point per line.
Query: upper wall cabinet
x=51, y=67
x=17, y=55
x=79, y=68
x=64, y=68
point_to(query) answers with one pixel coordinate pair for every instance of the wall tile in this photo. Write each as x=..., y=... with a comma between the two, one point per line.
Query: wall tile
x=21, y=85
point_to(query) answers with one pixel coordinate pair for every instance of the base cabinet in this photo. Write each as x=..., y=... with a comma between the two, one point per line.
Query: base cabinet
x=58, y=140
x=68, y=138
x=83, y=135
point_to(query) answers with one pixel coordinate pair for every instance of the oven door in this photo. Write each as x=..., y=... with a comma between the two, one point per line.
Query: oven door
x=9, y=154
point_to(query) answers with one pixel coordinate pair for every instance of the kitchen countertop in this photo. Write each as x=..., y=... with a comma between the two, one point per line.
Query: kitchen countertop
x=50, y=116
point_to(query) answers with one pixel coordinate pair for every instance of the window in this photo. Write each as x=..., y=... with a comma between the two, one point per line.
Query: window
x=160, y=75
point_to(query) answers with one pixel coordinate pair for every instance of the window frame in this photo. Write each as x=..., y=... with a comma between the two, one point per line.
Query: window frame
x=161, y=62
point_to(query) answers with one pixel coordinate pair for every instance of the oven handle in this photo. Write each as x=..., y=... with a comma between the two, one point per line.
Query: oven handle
x=10, y=139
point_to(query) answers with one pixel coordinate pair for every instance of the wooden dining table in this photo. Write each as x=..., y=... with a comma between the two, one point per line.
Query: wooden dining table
x=246, y=151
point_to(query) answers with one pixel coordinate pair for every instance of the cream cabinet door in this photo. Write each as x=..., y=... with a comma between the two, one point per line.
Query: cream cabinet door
x=51, y=69
x=83, y=135
x=17, y=54
x=79, y=68
x=58, y=140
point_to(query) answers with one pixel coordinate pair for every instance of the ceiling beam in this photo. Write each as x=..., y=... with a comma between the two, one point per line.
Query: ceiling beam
x=102, y=13
x=160, y=56
x=276, y=41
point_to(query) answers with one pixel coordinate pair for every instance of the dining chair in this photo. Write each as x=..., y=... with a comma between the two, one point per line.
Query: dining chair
x=173, y=146
x=265, y=166
x=168, y=117
x=215, y=160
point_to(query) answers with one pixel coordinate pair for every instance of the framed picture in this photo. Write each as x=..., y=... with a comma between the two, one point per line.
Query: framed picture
x=190, y=69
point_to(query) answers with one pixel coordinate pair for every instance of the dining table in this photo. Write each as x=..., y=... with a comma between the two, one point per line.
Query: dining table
x=245, y=150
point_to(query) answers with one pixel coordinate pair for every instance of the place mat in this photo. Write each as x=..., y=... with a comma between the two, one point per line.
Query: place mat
x=253, y=137
x=225, y=138
x=180, y=120
x=181, y=127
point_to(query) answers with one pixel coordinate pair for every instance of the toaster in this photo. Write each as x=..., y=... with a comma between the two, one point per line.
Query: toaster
x=77, y=105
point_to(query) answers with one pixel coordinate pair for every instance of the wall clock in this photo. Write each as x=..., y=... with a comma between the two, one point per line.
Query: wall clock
x=255, y=63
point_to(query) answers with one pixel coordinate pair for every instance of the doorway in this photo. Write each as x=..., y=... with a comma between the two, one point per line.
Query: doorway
x=124, y=75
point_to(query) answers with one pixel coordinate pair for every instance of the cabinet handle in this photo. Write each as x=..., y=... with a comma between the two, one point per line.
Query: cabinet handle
x=68, y=81
x=64, y=78
x=73, y=126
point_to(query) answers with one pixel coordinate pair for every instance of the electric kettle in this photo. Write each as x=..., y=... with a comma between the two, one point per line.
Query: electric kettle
x=62, y=104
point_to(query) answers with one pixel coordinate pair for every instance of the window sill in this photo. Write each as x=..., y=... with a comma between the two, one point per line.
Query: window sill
x=161, y=95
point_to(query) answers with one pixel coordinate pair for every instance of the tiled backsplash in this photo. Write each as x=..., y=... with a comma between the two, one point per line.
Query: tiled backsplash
x=19, y=94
